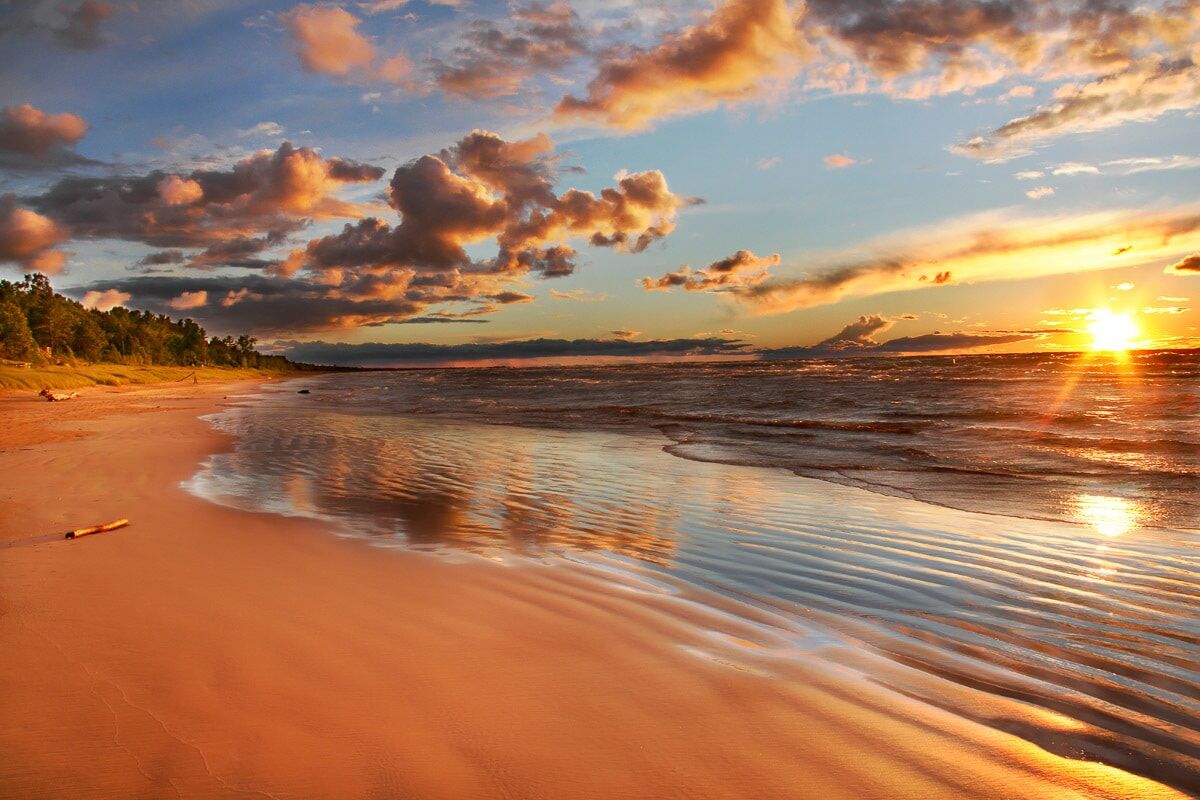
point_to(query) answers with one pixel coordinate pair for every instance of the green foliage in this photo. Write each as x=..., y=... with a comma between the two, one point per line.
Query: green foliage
x=38, y=325
x=16, y=340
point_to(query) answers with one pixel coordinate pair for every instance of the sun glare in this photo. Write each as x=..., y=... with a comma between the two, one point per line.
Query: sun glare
x=1112, y=332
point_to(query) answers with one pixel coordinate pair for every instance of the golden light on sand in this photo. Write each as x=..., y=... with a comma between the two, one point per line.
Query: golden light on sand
x=1112, y=332
x=1108, y=516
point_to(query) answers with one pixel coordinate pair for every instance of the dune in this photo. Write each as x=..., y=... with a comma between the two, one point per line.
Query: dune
x=206, y=652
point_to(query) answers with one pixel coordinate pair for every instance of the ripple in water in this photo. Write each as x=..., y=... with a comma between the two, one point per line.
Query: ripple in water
x=1094, y=625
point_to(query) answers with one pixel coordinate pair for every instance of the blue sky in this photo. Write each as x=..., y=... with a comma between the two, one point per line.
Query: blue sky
x=856, y=172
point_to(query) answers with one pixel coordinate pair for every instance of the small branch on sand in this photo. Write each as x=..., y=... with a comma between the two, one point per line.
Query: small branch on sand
x=108, y=526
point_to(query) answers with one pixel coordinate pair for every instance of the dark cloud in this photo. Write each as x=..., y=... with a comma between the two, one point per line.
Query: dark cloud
x=496, y=60
x=741, y=269
x=1186, y=266
x=858, y=334
x=76, y=26
x=163, y=257
x=379, y=354
x=934, y=342
x=900, y=37
x=266, y=193
x=485, y=187
x=261, y=303
x=81, y=30
x=856, y=339
x=31, y=139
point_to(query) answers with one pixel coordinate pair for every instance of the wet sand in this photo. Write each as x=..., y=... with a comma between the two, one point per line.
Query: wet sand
x=211, y=652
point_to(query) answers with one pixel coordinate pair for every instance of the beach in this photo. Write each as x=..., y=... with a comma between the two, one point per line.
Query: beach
x=207, y=651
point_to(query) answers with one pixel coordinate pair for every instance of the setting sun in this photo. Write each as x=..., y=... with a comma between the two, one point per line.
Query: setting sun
x=1112, y=332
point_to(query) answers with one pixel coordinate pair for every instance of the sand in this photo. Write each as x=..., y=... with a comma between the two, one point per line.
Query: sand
x=210, y=652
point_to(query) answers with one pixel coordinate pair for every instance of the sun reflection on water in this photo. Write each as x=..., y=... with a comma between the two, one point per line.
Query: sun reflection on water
x=1108, y=516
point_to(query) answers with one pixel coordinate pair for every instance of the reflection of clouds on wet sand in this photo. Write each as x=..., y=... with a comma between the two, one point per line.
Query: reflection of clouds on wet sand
x=476, y=488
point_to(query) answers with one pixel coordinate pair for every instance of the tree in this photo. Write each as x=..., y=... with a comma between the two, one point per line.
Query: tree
x=33, y=315
x=16, y=340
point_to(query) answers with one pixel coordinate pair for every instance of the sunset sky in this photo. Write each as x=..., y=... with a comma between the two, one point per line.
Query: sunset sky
x=840, y=176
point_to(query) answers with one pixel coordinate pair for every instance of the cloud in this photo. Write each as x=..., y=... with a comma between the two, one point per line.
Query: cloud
x=625, y=333
x=31, y=139
x=1072, y=168
x=855, y=340
x=839, y=161
x=267, y=192
x=1038, y=192
x=263, y=303
x=187, y=300
x=26, y=238
x=858, y=334
x=579, y=296
x=268, y=129
x=82, y=28
x=1186, y=266
x=996, y=246
x=1136, y=166
x=1121, y=166
x=936, y=342
x=378, y=354
x=76, y=26
x=105, y=300
x=327, y=42
x=725, y=58
x=768, y=163
x=1140, y=93
x=487, y=188
x=741, y=269
x=920, y=48
x=495, y=61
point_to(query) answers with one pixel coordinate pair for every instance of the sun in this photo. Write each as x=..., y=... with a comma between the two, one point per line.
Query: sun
x=1112, y=332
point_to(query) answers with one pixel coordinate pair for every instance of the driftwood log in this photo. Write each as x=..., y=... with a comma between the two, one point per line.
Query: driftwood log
x=108, y=526
x=55, y=397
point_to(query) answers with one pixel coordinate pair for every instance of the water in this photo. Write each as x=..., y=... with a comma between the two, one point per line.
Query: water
x=1076, y=591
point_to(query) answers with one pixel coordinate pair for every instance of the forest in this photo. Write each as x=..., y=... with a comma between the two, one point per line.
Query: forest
x=40, y=326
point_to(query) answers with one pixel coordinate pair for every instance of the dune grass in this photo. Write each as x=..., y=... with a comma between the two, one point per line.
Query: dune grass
x=22, y=379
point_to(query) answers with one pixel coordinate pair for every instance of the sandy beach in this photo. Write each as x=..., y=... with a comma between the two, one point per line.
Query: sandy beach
x=209, y=652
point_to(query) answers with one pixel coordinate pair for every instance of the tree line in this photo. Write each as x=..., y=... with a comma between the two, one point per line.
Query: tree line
x=38, y=325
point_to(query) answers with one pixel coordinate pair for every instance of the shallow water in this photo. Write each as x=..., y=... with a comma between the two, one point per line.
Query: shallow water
x=1096, y=621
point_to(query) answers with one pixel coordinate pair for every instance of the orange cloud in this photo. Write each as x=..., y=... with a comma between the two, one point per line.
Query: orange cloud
x=839, y=161
x=982, y=248
x=31, y=139
x=188, y=300
x=270, y=192
x=328, y=42
x=26, y=238
x=176, y=191
x=105, y=300
x=485, y=187
x=725, y=58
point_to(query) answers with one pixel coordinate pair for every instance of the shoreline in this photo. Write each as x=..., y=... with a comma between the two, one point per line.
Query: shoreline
x=207, y=651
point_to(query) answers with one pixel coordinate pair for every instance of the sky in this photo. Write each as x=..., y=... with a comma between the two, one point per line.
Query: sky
x=395, y=181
